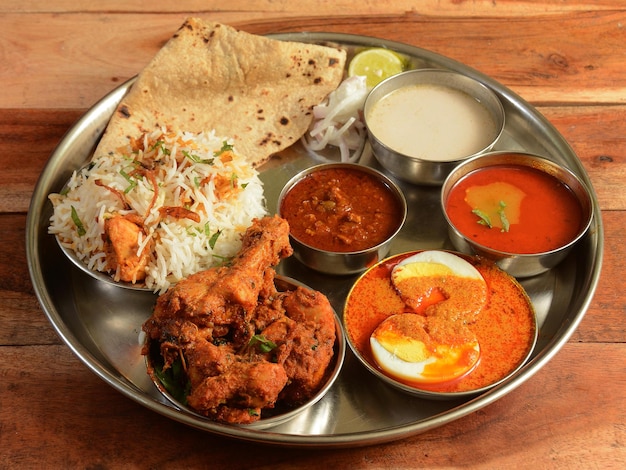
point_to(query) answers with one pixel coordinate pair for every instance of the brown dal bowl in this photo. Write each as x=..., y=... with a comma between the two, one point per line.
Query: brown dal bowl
x=322, y=258
x=413, y=159
x=527, y=264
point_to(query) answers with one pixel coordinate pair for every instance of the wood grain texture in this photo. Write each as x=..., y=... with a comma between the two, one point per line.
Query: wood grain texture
x=287, y=8
x=119, y=45
x=566, y=58
x=92, y=428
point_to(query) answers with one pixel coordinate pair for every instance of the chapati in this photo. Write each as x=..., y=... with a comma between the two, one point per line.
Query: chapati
x=257, y=91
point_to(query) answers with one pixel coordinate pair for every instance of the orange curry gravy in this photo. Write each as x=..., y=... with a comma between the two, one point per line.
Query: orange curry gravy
x=341, y=210
x=505, y=328
x=544, y=215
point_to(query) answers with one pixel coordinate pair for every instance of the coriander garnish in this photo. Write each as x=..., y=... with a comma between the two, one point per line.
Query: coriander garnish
x=132, y=182
x=226, y=147
x=213, y=239
x=483, y=218
x=503, y=220
x=159, y=144
x=196, y=159
x=262, y=343
x=80, y=228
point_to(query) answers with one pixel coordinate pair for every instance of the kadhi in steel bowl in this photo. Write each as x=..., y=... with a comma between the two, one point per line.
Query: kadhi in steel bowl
x=421, y=123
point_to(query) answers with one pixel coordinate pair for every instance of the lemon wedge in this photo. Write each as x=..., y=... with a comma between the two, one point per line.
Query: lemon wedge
x=375, y=64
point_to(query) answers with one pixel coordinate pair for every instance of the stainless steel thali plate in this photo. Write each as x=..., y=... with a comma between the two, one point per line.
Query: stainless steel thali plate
x=101, y=323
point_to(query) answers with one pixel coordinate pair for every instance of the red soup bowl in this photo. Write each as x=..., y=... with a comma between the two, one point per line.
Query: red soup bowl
x=522, y=211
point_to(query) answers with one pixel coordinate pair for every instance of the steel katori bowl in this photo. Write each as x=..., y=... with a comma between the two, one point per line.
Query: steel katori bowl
x=372, y=300
x=519, y=265
x=421, y=138
x=347, y=261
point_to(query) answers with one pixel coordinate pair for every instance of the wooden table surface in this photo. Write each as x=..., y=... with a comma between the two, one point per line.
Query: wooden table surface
x=566, y=58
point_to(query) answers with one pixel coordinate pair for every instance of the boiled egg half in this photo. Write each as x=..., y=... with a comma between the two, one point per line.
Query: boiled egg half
x=442, y=289
x=401, y=353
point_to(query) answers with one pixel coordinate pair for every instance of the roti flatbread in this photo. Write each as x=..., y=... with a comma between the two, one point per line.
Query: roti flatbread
x=257, y=91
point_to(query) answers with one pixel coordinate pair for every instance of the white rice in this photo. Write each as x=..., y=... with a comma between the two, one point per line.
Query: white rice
x=180, y=246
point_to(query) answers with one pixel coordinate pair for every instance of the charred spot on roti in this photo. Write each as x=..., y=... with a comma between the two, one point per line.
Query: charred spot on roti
x=284, y=121
x=124, y=111
x=333, y=61
x=270, y=139
x=318, y=80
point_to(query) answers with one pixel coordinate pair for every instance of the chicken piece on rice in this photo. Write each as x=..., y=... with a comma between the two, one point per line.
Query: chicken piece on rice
x=215, y=320
x=121, y=234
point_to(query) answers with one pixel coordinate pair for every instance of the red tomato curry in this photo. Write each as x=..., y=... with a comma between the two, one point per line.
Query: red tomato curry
x=515, y=209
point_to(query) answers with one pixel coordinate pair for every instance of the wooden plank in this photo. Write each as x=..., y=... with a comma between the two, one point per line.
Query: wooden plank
x=285, y=8
x=604, y=318
x=29, y=137
x=46, y=390
x=22, y=319
x=78, y=57
x=597, y=135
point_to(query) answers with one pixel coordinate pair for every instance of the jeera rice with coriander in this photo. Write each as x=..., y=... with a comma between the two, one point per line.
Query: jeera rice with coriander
x=165, y=207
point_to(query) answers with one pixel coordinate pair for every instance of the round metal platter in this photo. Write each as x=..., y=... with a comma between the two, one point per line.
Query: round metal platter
x=101, y=322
